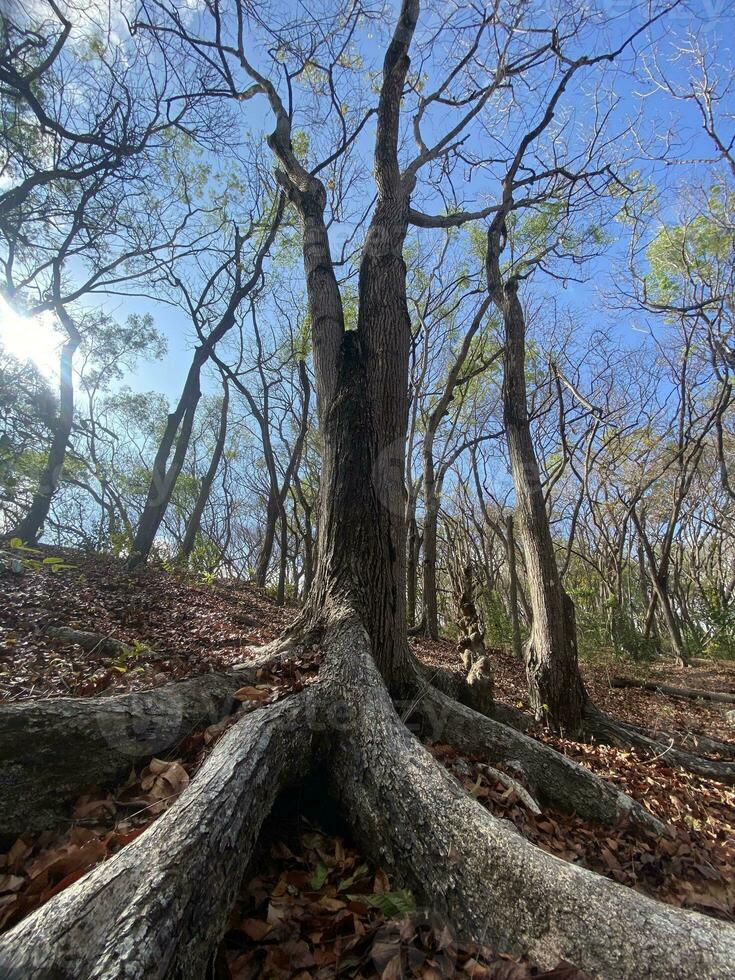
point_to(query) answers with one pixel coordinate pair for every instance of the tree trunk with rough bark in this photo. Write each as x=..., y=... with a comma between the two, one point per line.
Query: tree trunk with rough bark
x=513, y=587
x=555, y=685
x=50, y=751
x=158, y=908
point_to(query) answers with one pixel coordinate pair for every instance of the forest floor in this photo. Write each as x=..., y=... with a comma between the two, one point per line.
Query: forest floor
x=313, y=907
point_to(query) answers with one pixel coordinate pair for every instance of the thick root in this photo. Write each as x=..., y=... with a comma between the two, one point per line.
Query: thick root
x=476, y=872
x=553, y=777
x=701, y=744
x=50, y=751
x=159, y=908
x=614, y=732
x=674, y=692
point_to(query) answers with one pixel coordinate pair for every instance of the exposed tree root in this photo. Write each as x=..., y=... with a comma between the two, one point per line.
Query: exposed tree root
x=488, y=882
x=50, y=751
x=159, y=908
x=615, y=732
x=552, y=776
x=88, y=641
x=701, y=744
x=674, y=692
x=521, y=792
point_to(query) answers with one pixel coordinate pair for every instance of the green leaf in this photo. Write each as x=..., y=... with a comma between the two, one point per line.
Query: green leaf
x=348, y=882
x=53, y=561
x=319, y=876
x=391, y=904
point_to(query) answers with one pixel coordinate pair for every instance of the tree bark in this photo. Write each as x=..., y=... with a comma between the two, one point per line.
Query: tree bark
x=50, y=751
x=431, y=515
x=412, y=552
x=159, y=908
x=553, y=777
x=615, y=732
x=674, y=692
x=555, y=685
x=513, y=588
x=361, y=550
x=194, y=522
x=477, y=873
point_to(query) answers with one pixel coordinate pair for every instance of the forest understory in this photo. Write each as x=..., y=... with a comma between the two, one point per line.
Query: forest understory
x=367, y=541
x=312, y=903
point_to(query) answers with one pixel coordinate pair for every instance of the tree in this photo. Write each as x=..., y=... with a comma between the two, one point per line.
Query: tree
x=213, y=312
x=194, y=522
x=482, y=878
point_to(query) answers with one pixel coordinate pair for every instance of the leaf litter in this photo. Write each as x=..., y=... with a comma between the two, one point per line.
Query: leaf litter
x=179, y=626
x=316, y=909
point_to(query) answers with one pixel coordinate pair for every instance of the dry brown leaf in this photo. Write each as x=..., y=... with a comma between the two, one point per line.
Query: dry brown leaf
x=249, y=693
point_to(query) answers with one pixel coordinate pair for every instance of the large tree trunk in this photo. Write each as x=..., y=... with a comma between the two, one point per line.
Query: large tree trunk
x=361, y=563
x=30, y=527
x=555, y=685
x=194, y=522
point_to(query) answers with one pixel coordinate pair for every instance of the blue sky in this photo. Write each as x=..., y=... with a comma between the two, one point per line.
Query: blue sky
x=715, y=22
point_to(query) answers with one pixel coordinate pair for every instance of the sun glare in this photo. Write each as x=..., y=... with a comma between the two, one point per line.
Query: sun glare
x=35, y=339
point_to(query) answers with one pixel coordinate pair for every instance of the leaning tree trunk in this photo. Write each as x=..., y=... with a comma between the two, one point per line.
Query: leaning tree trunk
x=31, y=525
x=164, y=476
x=194, y=522
x=555, y=685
